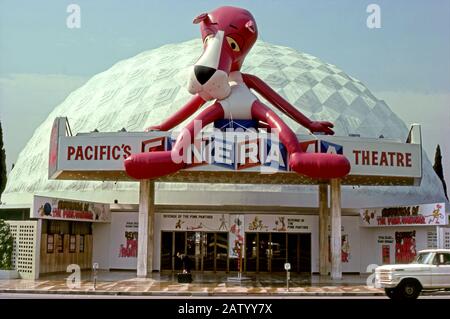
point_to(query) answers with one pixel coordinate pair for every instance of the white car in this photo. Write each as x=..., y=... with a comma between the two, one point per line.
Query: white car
x=430, y=270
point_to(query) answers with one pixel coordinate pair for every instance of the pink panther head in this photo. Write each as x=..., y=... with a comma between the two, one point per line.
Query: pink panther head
x=228, y=34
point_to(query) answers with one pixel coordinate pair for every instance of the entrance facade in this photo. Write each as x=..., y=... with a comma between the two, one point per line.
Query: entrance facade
x=264, y=252
x=268, y=241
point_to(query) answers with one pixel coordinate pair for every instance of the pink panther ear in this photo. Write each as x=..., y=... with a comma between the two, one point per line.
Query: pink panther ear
x=200, y=18
x=251, y=26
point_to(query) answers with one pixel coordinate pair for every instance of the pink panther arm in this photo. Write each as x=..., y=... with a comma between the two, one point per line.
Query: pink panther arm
x=279, y=102
x=179, y=116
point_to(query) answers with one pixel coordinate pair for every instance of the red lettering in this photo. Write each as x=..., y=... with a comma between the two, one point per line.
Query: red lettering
x=79, y=155
x=88, y=153
x=391, y=157
x=70, y=152
x=408, y=159
x=394, y=221
x=400, y=159
x=108, y=156
x=96, y=152
x=365, y=158
x=102, y=151
x=413, y=220
x=126, y=150
x=115, y=155
x=374, y=158
x=383, y=160
x=356, y=152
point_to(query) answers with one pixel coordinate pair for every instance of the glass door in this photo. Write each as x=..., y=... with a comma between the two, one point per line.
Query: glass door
x=294, y=252
x=179, y=247
x=305, y=252
x=221, y=251
x=251, y=251
x=195, y=247
x=167, y=255
x=278, y=251
x=209, y=252
x=264, y=252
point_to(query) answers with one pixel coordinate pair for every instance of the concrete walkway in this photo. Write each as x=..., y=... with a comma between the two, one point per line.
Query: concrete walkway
x=126, y=283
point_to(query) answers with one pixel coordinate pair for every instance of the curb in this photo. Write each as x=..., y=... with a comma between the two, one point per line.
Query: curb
x=186, y=293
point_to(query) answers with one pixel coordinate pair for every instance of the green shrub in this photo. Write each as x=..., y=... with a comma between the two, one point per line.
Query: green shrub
x=6, y=246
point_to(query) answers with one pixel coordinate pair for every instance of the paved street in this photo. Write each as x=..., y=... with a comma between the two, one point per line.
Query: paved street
x=18, y=295
x=126, y=285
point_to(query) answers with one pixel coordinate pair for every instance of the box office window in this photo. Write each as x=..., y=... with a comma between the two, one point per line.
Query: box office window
x=58, y=227
x=81, y=228
x=59, y=243
x=81, y=247
x=50, y=243
x=72, y=244
x=66, y=227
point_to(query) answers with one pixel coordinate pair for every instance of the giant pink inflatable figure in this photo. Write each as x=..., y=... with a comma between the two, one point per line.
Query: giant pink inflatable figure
x=228, y=34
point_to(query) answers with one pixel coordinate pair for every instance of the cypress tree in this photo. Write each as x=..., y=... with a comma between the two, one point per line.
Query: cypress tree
x=2, y=163
x=438, y=168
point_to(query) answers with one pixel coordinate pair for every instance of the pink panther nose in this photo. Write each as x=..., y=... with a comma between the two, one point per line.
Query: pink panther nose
x=203, y=73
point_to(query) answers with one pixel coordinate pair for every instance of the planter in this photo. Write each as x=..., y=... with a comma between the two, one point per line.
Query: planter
x=9, y=274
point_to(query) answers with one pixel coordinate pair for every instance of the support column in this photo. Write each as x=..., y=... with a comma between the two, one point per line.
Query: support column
x=146, y=222
x=336, y=262
x=323, y=229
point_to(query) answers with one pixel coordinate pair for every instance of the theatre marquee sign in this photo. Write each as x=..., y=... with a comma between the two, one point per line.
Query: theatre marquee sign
x=103, y=154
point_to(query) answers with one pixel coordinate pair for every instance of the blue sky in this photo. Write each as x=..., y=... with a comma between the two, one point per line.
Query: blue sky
x=406, y=61
x=410, y=51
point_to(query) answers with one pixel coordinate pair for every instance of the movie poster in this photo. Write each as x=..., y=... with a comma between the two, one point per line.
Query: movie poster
x=69, y=209
x=124, y=240
x=236, y=237
x=345, y=249
x=386, y=254
x=264, y=223
x=405, y=247
x=194, y=222
x=426, y=214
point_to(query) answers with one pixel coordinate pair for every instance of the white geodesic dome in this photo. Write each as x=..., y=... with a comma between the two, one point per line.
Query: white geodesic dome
x=145, y=89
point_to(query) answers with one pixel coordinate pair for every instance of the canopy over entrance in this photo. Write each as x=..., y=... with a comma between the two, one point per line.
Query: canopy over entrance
x=254, y=160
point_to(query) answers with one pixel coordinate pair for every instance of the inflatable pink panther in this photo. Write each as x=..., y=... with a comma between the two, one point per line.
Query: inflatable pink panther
x=228, y=34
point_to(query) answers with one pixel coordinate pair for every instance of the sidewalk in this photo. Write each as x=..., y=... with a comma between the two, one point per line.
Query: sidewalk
x=126, y=283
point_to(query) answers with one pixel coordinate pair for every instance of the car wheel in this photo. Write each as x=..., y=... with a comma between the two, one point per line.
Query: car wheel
x=410, y=289
x=391, y=293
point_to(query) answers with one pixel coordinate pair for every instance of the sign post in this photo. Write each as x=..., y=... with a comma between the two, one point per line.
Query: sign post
x=240, y=262
x=287, y=266
x=94, y=270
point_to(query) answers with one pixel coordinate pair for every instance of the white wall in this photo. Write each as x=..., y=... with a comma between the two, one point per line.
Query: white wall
x=101, y=244
x=107, y=238
x=122, y=222
x=371, y=250
x=350, y=227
